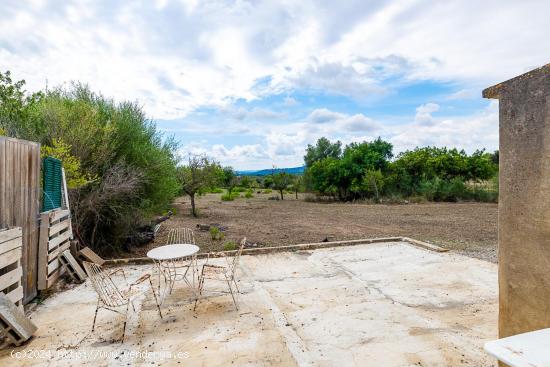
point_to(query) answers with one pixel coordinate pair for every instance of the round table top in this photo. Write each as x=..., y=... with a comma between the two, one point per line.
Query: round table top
x=171, y=252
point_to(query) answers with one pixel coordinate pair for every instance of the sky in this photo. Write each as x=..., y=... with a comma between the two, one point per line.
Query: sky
x=252, y=83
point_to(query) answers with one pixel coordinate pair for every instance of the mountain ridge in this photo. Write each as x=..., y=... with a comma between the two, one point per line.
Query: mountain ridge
x=264, y=172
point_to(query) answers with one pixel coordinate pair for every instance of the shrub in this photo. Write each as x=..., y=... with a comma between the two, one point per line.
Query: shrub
x=267, y=191
x=248, y=194
x=229, y=246
x=227, y=197
x=216, y=190
x=121, y=170
x=216, y=234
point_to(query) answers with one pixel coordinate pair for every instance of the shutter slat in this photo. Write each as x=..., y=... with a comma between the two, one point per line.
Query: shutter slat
x=51, y=183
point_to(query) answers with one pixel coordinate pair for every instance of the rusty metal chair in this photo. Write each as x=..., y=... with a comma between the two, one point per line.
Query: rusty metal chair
x=223, y=273
x=110, y=296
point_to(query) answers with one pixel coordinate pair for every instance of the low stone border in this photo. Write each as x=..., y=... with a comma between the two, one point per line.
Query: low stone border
x=291, y=248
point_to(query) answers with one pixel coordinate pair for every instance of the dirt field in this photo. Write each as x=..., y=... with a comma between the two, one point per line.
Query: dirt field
x=469, y=228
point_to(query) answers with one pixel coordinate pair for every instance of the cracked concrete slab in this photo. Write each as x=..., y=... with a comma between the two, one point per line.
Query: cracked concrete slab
x=389, y=304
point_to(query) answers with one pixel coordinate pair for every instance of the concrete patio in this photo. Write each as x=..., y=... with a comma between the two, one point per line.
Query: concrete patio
x=380, y=304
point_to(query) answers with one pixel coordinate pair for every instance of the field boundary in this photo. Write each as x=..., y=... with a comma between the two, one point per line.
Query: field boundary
x=293, y=248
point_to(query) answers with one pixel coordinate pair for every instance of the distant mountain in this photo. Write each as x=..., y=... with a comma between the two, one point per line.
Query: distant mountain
x=265, y=172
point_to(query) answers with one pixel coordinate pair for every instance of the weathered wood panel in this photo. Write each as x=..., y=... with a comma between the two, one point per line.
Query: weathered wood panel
x=20, y=201
x=55, y=238
x=11, y=273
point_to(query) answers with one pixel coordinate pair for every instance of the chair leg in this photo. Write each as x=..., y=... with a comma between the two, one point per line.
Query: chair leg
x=95, y=315
x=154, y=295
x=125, y=322
x=231, y=291
x=201, y=283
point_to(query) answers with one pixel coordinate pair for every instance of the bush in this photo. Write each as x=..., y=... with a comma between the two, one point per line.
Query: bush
x=445, y=190
x=216, y=234
x=248, y=194
x=239, y=189
x=216, y=190
x=267, y=191
x=227, y=197
x=121, y=170
x=229, y=246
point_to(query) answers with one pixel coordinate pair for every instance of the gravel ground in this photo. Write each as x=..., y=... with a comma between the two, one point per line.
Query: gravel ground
x=468, y=228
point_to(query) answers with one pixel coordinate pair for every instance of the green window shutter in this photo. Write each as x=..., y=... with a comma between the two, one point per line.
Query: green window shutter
x=51, y=171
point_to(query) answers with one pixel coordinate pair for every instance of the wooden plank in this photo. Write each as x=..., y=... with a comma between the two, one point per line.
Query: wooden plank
x=3, y=221
x=10, y=257
x=9, y=278
x=43, y=251
x=16, y=295
x=10, y=234
x=55, y=253
x=31, y=240
x=54, y=277
x=54, y=242
x=58, y=214
x=87, y=254
x=56, y=228
x=10, y=245
x=53, y=266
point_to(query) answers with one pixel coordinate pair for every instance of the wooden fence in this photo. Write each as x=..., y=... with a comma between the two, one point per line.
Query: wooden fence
x=20, y=201
x=11, y=271
x=55, y=237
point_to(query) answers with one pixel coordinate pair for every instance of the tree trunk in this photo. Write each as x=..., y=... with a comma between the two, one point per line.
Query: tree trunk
x=282, y=198
x=296, y=194
x=193, y=211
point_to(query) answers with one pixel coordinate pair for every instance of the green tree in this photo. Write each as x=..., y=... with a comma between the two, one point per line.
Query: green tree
x=120, y=169
x=297, y=184
x=321, y=150
x=16, y=106
x=199, y=173
x=281, y=181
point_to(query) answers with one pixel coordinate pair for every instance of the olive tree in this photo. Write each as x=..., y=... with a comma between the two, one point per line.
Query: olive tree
x=281, y=181
x=199, y=173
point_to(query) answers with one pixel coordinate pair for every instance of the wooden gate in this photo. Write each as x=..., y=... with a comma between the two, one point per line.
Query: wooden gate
x=20, y=201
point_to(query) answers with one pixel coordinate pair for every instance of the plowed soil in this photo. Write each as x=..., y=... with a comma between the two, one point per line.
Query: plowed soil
x=468, y=228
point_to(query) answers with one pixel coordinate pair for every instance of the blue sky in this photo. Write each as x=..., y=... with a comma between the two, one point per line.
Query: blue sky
x=251, y=83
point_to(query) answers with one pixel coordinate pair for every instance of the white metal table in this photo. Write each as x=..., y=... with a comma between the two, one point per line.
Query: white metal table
x=170, y=259
x=529, y=349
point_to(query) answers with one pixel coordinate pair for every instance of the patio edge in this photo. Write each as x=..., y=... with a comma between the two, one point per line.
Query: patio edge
x=292, y=248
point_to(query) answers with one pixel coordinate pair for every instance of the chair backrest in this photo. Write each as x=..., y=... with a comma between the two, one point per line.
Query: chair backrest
x=237, y=256
x=181, y=235
x=106, y=289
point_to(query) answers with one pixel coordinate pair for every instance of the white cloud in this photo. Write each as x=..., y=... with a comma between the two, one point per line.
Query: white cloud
x=466, y=132
x=212, y=53
x=323, y=115
x=284, y=145
x=424, y=113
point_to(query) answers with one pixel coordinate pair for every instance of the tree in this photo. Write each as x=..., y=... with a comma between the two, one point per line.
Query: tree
x=297, y=184
x=16, y=106
x=321, y=150
x=199, y=173
x=227, y=178
x=281, y=181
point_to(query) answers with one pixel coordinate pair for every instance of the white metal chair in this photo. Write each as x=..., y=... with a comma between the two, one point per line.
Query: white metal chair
x=110, y=296
x=222, y=273
x=172, y=268
x=181, y=235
